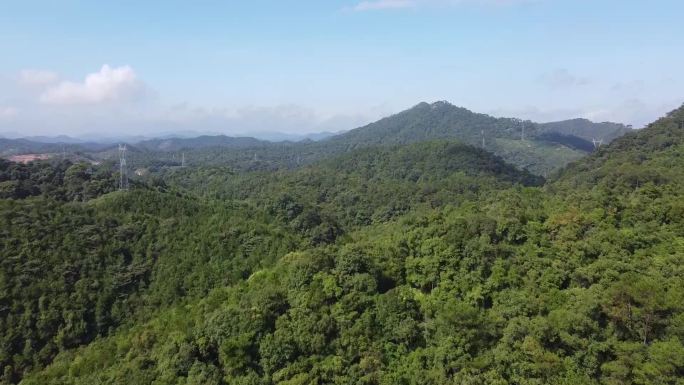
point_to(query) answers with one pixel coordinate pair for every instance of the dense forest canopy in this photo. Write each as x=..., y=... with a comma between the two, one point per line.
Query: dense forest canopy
x=427, y=261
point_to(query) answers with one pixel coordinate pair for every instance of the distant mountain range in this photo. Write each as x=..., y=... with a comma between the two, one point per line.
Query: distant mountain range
x=113, y=139
x=539, y=147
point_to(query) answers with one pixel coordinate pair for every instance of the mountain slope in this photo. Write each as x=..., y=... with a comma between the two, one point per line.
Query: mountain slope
x=367, y=185
x=439, y=120
x=586, y=129
x=176, y=144
x=649, y=156
x=78, y=260
x=542, y=151
x=579, y=282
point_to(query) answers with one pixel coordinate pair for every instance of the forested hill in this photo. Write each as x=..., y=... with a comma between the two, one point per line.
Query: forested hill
x=72, y=271
x=9, y=147
x=80, y=260
x=586, y=129
x=577, y=282
x=542, y=149
x=367, y=185
x=439, y=120
x=430, y=160
x=649, y=156
x=545, y=146
x=442, y=120
x=177, y=144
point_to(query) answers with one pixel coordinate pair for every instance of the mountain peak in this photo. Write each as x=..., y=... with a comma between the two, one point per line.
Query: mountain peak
x=441, y=103
x=433, y=105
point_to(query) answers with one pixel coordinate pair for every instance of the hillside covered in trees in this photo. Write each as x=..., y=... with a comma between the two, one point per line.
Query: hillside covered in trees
x=420, y=262
x=540, y=148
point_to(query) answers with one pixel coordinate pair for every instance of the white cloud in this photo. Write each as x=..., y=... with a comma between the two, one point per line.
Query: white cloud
x=37, y=77
x=562, y=78
x=8, y=112
x=109, y=84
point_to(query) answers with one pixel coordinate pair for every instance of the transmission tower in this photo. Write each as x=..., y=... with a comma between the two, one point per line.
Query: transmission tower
x=483, y=139
x=183, y=160
x=597, y=143
x=123, y=170
x=522, y=132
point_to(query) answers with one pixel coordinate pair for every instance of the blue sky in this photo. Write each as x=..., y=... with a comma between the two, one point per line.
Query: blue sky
x=239, y=67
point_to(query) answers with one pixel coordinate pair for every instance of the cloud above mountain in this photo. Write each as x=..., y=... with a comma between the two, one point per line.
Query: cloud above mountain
x=107, y=85
x=117, y=100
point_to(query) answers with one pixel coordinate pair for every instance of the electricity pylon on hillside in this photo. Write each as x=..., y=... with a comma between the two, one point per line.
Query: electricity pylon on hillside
x=522, y=133
x=123, y=170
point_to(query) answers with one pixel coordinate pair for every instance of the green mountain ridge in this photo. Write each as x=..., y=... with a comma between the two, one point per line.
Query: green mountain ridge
x=546, y=147
x=586, y=129
x=578, y=281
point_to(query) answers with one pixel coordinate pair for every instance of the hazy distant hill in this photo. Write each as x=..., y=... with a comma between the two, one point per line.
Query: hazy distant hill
x=10, y=147
x=649, y=156
x=19, y=146
x=540, y=148
x=541, y=151
x=439, y=120
x=545, y=146
x=586, y=129
x=175, y=144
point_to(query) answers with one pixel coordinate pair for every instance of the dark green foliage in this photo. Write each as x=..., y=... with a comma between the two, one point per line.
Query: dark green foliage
x=454, y=272
x=570, y=141
x=586, y=129
x=72, y=272
x=369, y=185
x=63, y=180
